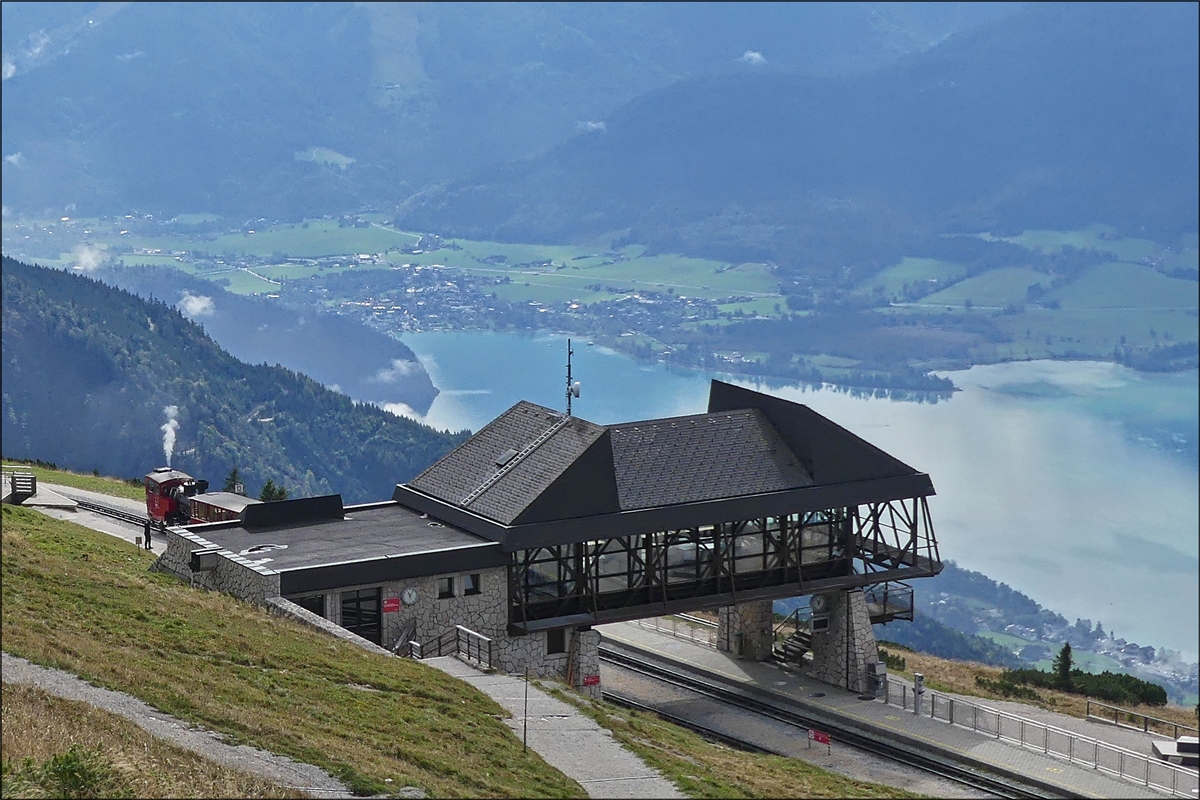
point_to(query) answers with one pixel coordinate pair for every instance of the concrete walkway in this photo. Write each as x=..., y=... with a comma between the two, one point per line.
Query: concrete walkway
x=98, y=522
x=568, y=740
x=882, y=720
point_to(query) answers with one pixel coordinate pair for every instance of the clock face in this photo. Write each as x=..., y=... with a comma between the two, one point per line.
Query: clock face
x=409, y=596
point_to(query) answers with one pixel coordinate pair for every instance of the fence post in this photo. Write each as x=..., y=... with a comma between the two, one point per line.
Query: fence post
x=951, y=710
x=1121, y=763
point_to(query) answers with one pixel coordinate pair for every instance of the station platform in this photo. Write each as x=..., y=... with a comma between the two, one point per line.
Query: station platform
x=890, y=722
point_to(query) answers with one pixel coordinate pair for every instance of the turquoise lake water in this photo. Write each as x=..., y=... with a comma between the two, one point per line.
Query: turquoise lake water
x=1073, y=482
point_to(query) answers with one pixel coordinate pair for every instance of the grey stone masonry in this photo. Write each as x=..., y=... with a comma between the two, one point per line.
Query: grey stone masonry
x=286, y=608
x=746, y=630
x=241, y=576
x=842, y=651
x=585, y=669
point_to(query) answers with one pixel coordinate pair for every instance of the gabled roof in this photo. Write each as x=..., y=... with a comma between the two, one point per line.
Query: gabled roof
x=534, y=476
x=664, y=462
x=504, y=470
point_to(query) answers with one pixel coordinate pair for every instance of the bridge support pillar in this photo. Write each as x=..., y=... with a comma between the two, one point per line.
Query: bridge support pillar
x=583, y=667
x=842, y=651
x=746, y=629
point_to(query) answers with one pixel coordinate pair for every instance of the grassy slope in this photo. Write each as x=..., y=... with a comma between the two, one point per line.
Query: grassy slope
x=704, y=769
x=959, y=677
x=132, y=763
x=83, y=602
x=93, y=483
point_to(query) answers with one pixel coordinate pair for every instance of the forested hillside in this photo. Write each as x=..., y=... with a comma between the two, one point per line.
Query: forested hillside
x=1058, y=117
x=89, y=373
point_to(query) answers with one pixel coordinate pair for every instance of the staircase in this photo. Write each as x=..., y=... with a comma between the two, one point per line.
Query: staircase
x=791, y=649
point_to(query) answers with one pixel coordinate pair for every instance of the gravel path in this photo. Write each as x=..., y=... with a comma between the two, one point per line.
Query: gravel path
x=281, y=770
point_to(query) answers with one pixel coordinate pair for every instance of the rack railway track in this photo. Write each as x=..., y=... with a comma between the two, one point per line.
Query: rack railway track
x=911, y=756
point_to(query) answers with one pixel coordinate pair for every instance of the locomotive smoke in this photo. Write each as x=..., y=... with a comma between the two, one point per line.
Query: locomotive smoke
x=169, y=428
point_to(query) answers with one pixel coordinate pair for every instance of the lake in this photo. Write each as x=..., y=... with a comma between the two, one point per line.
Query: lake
x=1073, y=482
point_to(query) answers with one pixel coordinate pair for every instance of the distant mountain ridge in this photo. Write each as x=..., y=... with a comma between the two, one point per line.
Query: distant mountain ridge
x=89, y=372
x=1057, y=117
x=340, y=352
x=282, y=110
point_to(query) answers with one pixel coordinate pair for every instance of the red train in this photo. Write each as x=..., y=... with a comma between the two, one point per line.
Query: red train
x=176, y=498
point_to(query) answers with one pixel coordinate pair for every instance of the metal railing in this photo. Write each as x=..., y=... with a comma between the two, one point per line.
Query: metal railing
x=1149, y=724
x=466, y=644
x=684, y=626
x=1053, y=741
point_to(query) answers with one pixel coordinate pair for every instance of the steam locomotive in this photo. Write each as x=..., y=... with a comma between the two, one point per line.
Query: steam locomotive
x=176, y=498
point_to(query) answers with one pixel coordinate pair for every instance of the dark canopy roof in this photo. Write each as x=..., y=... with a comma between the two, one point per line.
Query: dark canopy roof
x=533, y=476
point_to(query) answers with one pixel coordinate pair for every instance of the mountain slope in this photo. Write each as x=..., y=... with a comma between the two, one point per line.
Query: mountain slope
x=288, y=109
x=89, y=371
x=1057, y=117
x=337, y=351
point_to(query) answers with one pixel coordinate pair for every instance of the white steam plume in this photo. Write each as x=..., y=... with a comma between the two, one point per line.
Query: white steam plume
x=87, y=257
x=196, y=305
x=169, y=428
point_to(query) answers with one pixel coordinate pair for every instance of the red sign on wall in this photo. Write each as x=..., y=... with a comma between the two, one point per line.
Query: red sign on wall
x=391, y=604
x=591, y=680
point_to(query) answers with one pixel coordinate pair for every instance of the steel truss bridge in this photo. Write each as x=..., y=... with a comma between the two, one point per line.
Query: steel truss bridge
x=708, y=566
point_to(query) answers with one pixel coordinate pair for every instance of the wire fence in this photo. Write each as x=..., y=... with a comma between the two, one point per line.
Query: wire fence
x=1082, y=750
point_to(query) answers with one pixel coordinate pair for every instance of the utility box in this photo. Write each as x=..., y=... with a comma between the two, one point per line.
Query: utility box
x=204, y=560
x=877, y=677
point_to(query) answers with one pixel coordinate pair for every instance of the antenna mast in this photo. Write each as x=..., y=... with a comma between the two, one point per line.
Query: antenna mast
x=569, y=377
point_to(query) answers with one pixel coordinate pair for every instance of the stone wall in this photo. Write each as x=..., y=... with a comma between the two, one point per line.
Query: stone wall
x=747, y=629
x=485, y=613
x=237, y=575
x=842, y=651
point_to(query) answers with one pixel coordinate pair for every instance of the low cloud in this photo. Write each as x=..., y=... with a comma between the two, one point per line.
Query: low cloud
x=16, y=159
x=130, y=56
x=87, y=257
x=752, y=57
x=9, y=69
x=594, y=126
x=196, y=305
x=400, y=368
x=403, y=410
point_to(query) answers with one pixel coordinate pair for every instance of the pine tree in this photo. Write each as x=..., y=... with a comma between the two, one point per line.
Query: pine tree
x=270, y=492
x=231, y=481
x=1062, y=666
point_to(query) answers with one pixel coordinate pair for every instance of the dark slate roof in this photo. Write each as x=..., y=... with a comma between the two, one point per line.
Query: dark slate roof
x=701, y=457
x=751, y=455
x=485, y=476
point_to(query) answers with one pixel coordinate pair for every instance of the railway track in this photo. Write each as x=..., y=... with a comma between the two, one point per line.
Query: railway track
x=911, y=756
x=110, y=511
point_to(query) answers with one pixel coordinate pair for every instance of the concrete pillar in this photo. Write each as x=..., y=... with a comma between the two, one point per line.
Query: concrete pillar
x=842, y=651
x=585, y=668
x=747, y=629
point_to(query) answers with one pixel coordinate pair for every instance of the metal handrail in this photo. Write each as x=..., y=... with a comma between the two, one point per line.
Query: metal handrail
x=691, y=624
x=474, y=646
x=1051, y=740
x=1146, y=719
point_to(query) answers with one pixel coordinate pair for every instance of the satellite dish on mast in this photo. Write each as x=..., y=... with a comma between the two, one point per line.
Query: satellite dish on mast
x=575, y=388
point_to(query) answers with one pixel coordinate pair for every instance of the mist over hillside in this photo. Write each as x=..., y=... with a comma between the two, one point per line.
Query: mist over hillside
x=284, y=110
x=94, y=377
x=1053, y=118
x=338, y=351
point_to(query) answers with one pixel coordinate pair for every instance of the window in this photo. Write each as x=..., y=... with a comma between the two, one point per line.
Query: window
x=445, y=588
x=556, y=641
x=471, y=584
x=314, y=603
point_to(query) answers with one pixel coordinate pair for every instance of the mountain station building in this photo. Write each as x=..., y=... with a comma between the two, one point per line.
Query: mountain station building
x=543, y=525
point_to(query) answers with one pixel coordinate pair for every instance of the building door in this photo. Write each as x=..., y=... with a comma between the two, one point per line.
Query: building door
x=361, y=613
